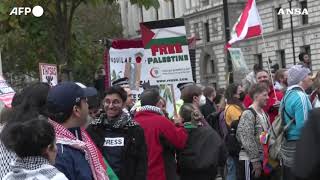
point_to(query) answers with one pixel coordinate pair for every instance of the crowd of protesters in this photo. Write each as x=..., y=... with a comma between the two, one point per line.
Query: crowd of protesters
x=69, y=132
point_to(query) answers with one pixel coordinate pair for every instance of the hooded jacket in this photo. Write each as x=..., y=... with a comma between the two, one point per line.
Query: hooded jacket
x=157, y=127
x=122, y=144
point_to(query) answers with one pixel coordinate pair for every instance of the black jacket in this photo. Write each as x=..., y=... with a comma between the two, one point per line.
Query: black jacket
x=203, y=154
x=208, y=108
x=133, y=164
x=307, y=166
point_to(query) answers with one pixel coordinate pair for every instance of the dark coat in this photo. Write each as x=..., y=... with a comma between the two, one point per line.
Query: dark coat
x=208, y=108
x=203, y=154
x=72, y=162
x=134, y=152
x=308, y=148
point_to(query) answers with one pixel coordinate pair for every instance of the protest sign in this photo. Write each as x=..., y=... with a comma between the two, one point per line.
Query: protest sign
x=130, y=63
x=6, y=92
x=48, y=73
x=237, y=59
x=166, y=54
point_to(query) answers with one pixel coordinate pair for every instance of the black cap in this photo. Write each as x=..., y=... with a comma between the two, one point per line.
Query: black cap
x=181, y=86
x=120, y=82
x=64, y=96
x=93, y=91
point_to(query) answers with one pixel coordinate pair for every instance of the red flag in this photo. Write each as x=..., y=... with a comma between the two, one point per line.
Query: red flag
x=248, y=25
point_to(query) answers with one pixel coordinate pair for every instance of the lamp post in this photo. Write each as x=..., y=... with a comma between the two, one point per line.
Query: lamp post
x=227, y=37
x=292, y=37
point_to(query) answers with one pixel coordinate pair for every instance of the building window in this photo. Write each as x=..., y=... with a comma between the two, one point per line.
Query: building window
x=210, y=67
x=215, y=25
x=214, y=85
x=205, y=2
x=173, y=9
x=259, y=60
x=307, y=50
x=197, y=30
x=192, y=53
x=141, y=13
x=304, y=6
x=157, y=14
x=282, y=58
x=279, y=22
x=207, y=31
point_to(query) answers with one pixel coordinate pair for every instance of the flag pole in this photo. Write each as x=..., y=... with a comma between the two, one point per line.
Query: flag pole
x=269, y=67
x=0, y=63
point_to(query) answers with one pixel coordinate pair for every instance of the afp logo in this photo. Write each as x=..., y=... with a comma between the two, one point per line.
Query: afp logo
x=37, y=11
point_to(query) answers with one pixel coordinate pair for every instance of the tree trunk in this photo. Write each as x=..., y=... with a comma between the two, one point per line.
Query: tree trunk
x=63, y=27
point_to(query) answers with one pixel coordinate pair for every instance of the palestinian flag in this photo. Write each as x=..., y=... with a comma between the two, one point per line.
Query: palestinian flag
x=166, y=51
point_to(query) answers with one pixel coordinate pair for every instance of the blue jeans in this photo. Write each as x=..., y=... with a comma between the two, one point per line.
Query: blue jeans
x=231, y=169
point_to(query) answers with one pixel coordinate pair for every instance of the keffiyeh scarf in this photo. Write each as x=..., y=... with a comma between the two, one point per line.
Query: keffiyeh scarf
x=33, y=167
x=124, y=120
x=92, y=154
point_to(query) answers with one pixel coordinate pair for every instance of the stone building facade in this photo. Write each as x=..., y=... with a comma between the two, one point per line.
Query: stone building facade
x=205, y=20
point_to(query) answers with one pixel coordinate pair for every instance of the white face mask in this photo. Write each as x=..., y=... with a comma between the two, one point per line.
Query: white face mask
x=202, y=100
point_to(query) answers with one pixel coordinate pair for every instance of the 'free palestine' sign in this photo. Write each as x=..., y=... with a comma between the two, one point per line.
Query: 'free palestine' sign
x=166, y=52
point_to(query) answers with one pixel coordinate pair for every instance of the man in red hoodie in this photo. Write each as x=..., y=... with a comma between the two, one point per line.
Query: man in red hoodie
x=275, y=96
x=162, y=136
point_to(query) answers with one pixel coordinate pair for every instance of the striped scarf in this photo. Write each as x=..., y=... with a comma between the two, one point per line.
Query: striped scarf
x=92, y=154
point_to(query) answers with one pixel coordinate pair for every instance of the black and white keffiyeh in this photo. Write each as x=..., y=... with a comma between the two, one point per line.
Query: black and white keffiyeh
x=33, y=168
x=124, y=120
x=6, y=157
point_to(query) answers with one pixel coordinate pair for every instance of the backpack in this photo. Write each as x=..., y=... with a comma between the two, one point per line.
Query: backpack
x=232, y=144
x=217, y=121
x=277, y=132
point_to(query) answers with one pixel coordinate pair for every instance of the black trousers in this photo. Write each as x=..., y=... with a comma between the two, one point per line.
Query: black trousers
x=241, y=175
x=288, y=174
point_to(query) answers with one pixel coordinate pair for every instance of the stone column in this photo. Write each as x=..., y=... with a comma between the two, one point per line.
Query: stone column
x=188, y=4
x=167, y=9
x=124, y=17
x=181, y=7
x=130, y=19
x=193, y=3
x=136, y=18
x=149, y=15
x=170, y=9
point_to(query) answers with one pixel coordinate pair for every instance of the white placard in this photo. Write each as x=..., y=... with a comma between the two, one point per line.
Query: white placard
x=48, y=73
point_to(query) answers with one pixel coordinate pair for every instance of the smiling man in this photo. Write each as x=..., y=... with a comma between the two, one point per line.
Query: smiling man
x=275, y=96
x=120, y=139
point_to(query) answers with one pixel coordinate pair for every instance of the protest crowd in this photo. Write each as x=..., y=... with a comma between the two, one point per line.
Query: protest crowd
x=258, y=129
